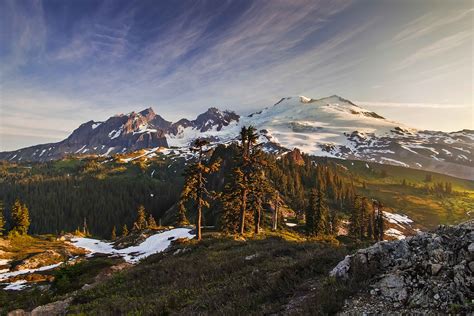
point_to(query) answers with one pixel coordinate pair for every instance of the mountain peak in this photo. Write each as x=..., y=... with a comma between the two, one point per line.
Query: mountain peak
x=147, y=111
x=336, y=98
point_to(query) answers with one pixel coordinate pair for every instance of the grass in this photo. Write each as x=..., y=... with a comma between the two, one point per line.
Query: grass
x=427, y=210
x=67, y=279
x=216, y=276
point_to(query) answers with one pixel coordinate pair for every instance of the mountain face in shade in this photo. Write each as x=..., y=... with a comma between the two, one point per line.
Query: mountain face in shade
x=121, y=133
x=332, y=126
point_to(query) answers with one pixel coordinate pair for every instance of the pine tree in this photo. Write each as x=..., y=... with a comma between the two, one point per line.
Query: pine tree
x=20, y=217
x=355, y=220
x=113, y=235
x=124, y=230
x=181, y=219
x=378, y=222
x=311, y=213
x=140, y=223
x=321, y=216
x=2, y=219
x=195, y=182
x=151, y=222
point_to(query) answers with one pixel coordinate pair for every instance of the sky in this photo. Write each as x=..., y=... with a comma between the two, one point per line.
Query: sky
x=65, y=62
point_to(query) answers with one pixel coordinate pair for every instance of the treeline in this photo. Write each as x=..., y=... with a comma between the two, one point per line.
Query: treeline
x=64, y=201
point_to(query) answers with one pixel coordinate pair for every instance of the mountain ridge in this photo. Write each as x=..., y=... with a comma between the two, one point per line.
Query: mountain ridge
x=332, y=126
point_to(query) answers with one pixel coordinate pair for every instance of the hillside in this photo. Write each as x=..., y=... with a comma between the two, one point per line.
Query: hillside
x=280, y=273
x=62, y=194
x=330, y=127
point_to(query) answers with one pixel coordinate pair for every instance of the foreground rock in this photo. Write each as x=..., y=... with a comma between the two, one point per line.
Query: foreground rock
x=427, y=272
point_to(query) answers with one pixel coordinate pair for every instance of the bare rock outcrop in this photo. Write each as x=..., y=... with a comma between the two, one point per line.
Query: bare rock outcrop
x=430, y=271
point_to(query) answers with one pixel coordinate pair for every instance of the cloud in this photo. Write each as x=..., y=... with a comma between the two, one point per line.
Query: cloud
x=414, y=105
x=429, y=23
x=436, y=48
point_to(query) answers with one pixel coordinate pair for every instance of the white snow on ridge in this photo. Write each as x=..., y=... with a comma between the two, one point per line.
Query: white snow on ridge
x=153, y=244
x=115, y=133
x=95, y=125
x=300, y=122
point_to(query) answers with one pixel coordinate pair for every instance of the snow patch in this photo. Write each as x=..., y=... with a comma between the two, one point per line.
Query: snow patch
x=153, y=244
x=392, y=232
x=397, y=218
x=4, y=276
x=95, y=125
x=16, y=286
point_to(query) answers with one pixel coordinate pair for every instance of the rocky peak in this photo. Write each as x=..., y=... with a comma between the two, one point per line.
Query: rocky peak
x=214, y=117
x=148, y=113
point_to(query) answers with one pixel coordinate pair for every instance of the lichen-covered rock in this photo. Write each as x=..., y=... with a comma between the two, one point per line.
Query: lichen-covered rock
x=431, y=270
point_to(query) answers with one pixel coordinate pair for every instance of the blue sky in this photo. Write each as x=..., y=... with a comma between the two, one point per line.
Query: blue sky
x=66, y=62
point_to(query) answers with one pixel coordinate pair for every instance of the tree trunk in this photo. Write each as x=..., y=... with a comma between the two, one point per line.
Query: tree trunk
x=242, y=212
x=257, y=222
x=199, y=220
x=275, y=216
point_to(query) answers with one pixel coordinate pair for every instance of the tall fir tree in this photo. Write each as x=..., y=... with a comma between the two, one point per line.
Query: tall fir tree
x=379, y=228
x=140, y=223
x=246, y=190
x=113, y=235
x=124, y=230
x=181, y=219
x=195, y=182
x=20, y=217
x=321, y=218
x=355, y=220
x=2, y=220
x=311, y=213
x=151, y=222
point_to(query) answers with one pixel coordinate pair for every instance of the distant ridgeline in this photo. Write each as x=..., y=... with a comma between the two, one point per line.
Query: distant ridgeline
x=103, y=192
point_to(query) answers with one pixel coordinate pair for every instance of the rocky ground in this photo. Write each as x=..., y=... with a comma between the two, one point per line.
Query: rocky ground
x=431, y=272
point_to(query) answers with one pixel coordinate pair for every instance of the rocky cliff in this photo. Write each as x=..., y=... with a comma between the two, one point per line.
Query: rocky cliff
x=429, y=272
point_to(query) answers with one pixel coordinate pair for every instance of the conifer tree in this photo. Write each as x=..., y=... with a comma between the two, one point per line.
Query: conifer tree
x=2, y=219
x=311, y=213
x=355, y=220
x=113, y=235
x=124, y=230
x=181, y=219
x=140, y=223
x=151, y=222
x=195, y=182
x=247, y=187
x=379, y=229
x=321, y=216
x=20, y=217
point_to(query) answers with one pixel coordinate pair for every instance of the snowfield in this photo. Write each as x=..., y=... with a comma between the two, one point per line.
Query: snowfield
x=153, y=244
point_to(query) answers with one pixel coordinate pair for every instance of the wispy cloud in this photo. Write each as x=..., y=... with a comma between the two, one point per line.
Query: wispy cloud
x=436, y=48
x=413, y=105
x=97, y=58
x=430, y=23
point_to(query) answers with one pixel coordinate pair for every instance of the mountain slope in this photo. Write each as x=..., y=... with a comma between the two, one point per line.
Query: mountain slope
x=331, y=126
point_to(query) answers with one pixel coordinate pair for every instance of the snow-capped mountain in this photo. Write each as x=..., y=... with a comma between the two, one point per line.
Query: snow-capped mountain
x=331, y=126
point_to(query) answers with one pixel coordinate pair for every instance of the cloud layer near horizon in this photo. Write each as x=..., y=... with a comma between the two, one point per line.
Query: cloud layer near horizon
x=66, y=62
